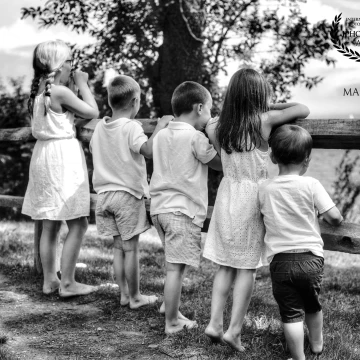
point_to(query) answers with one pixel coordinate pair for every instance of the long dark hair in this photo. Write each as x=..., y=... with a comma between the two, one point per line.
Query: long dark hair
x=239, y=124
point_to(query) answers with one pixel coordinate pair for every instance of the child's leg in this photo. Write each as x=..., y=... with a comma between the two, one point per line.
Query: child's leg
x=119, y=271
x=131, y=251
x=294, y=334
x=314, y=323
x=243, y=288
x=70, y=254
x=48, y=255
x=180, y=315
x=172, y=293
x=223, y=281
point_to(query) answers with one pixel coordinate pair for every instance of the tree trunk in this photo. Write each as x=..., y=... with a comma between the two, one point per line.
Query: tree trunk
x=180, y=56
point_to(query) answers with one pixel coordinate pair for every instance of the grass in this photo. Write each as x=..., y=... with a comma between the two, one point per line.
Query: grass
x=97, y=327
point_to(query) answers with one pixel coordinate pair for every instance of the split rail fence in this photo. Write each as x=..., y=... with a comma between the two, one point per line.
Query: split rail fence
x=326, y=134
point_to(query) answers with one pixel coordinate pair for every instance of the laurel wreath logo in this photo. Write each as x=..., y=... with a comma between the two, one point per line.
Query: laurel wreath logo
x=341, y=48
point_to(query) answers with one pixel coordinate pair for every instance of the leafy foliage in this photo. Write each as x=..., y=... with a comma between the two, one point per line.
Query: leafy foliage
x=131, y=38
x=14, y=156
x=347, y=186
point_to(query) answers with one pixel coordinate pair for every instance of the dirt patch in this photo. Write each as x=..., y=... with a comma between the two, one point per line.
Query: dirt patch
x=92, y=327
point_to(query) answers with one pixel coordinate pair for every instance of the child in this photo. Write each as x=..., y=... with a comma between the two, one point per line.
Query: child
x=289, y=203
x=118, y=146
x=235, y=239
x=178, y=191
x=58, y=186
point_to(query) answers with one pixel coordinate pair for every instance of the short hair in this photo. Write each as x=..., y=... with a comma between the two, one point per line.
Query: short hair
x=186, y=95
x=121, y=90
x=290, y=144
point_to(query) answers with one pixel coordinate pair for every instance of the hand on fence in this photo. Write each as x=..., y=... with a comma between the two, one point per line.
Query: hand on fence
x=164, y=121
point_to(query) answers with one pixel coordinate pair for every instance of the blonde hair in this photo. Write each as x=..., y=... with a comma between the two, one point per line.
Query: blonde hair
x=48, y=58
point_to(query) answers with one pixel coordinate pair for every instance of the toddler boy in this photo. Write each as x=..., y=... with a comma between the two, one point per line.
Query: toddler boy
x=290, y=204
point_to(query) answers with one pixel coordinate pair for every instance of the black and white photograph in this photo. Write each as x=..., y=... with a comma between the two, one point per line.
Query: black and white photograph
x=180, y=179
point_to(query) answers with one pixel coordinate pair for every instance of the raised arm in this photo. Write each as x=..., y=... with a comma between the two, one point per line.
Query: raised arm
x=280, y=114
x=86, y=108
x=147, y=148
x=210, y=131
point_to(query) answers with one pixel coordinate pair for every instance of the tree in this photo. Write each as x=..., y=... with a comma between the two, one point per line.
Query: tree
x=14, y=157
x=162, y=43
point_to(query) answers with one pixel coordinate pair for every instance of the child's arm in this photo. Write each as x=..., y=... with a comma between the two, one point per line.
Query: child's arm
x=210, y=130
x=280, y=114
x=147, y=148
x=86, y=108
x=333, y=216
x=215, y=163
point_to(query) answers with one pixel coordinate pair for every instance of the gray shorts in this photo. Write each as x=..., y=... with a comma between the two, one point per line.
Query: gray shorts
x=181, y=238
x=120, y=213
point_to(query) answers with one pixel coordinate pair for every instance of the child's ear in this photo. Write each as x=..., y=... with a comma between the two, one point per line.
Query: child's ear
x=273, y=158
x=199, y=108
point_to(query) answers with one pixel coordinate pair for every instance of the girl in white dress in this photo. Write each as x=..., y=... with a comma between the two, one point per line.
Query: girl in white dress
x=58, y=186
x=235, y=238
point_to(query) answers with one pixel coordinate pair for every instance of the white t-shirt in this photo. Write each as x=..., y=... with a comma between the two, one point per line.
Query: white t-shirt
x=179, y=180
x=290, y=204
x=118, y=164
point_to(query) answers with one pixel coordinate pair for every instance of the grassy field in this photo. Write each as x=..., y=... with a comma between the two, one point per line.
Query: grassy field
x=34, y=326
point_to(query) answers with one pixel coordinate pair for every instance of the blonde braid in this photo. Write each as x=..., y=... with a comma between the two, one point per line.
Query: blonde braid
x=33, y=91
x=49, y=80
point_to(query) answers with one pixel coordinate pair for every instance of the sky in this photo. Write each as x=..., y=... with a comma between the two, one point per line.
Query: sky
x=19, y=37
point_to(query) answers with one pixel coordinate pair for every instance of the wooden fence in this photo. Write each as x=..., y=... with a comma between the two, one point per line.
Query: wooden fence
x=326, y=134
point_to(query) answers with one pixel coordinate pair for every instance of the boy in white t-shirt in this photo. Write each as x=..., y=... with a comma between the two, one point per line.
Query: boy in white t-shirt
x=290, y=204
x=178, y=190
x=118, y=146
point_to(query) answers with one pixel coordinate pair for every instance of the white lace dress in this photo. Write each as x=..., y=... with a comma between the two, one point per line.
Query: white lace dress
x=236, y=232
x=58, y=187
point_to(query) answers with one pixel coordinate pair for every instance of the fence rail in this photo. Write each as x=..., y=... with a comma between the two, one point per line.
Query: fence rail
x=326, y=134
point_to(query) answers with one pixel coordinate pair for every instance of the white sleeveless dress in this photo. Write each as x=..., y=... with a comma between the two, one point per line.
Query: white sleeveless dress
x=58, y=187
x=236, y=232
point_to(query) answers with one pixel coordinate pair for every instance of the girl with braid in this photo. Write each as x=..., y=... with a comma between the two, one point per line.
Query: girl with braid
x=58, y=186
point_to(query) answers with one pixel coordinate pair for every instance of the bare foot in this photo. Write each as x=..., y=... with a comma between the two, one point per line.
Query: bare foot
x=143, y=300
x=215, y=336
x=233, y=341
x=124, y=299
x=51, y=287
x=76, y=289
x=180, y=315
x=180, y=326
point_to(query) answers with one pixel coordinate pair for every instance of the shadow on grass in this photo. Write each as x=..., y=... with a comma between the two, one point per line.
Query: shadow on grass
x=112, y=330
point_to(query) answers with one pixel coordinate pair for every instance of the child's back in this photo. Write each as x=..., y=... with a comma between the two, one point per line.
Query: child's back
x=118, y=164
x=179, y=179
x=289, y=204
x=235, y=237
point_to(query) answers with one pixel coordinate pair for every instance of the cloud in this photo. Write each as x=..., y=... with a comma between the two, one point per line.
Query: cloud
x=25, y=33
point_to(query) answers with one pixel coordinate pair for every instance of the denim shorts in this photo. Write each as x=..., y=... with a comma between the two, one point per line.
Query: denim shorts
x=120, y=213
x=180, y=237
x=296, y=282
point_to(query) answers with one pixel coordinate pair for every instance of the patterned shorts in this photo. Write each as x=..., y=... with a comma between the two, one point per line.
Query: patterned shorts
x=120, y=213
x=180, y=237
